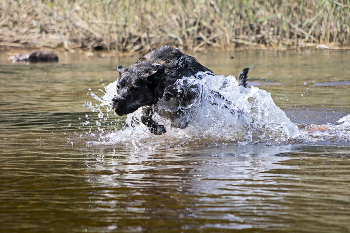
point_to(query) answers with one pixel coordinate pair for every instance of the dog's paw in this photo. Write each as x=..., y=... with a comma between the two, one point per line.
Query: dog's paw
x=158, y=130
x=180, y=125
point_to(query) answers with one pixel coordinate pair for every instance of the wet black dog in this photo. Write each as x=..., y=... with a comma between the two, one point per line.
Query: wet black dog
x=156, y=83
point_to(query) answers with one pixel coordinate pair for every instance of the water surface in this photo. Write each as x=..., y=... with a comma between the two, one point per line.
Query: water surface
x=59, y=174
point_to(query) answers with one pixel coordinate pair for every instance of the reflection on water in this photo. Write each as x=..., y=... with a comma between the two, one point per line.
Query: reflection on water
x=57, y=173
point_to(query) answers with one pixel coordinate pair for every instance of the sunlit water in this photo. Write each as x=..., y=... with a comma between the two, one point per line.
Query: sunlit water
x=69, y=164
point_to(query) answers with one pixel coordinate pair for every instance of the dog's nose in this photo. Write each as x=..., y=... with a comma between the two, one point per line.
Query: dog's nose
x=116, y=102
x=116, y=99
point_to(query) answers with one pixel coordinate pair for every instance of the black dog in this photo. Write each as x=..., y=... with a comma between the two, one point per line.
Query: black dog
x=154, y=83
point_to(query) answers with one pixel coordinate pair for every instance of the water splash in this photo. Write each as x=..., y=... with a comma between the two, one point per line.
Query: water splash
x=328, y=133
x=225, y=112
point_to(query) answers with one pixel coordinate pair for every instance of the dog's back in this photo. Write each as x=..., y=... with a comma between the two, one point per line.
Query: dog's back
x=175, y=63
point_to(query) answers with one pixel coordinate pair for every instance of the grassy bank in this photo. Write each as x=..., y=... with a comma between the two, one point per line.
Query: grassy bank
x=132, y=25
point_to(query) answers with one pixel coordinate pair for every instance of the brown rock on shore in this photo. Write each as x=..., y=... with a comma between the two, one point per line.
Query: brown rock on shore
x=35, y=56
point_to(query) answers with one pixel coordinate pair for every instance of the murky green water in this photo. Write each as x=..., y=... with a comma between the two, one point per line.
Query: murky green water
x=54, y=178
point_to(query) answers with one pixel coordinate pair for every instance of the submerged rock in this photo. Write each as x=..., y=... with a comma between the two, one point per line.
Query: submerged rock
x=35, y=56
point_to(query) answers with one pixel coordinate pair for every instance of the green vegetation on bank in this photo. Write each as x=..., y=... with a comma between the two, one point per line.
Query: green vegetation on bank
x=132, y=25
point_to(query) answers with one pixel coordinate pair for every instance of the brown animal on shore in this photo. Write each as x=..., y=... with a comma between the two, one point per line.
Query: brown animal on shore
x=35, y=56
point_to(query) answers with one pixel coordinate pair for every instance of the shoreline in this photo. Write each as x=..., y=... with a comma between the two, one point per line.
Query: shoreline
x=17, y=49
x=128, y=26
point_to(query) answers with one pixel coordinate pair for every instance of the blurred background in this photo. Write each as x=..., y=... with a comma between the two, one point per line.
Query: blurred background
x=139, y=25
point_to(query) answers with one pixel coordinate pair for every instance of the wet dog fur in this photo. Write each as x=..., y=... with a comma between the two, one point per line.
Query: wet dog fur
x=152, y=83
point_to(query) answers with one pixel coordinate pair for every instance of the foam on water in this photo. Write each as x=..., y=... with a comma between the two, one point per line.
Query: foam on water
x=225, y=112
x=332, y=133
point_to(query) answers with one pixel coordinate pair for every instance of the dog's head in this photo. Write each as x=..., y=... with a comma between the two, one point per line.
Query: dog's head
x=140, y=85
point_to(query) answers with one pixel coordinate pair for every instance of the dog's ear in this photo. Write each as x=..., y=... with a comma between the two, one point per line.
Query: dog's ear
x=121, y=69
x=155, y=81
x=157, y=74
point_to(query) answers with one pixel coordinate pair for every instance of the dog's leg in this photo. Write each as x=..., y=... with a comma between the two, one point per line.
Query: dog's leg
x=180, y=120
x=147, y=120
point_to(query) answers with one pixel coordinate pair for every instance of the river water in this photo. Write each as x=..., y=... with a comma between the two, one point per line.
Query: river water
x=66, y=168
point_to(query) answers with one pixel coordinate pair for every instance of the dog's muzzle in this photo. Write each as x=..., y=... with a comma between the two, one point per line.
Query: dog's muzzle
x=119, y=105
